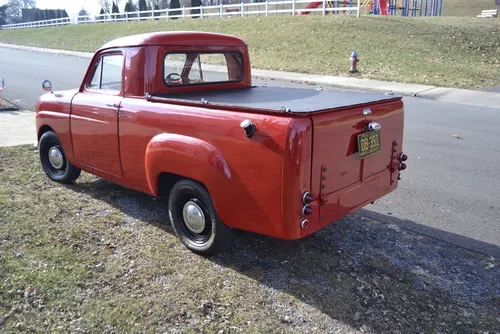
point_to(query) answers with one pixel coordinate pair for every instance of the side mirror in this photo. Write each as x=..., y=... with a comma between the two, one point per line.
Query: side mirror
x=47, y=86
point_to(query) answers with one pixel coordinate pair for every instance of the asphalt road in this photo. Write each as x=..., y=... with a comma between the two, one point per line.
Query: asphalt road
x=451, y=189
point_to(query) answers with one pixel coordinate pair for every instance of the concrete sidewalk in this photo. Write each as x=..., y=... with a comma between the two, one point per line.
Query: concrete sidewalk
x=17, y=128
x=442, y=94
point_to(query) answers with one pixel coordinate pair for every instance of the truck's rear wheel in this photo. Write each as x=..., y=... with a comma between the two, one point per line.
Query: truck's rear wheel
x=54, y=161
x=195, y=220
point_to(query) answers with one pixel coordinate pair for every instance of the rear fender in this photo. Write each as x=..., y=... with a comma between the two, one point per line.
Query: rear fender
x=190, y=158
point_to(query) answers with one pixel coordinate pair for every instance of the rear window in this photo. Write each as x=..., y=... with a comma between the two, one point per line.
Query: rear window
x=193, y=68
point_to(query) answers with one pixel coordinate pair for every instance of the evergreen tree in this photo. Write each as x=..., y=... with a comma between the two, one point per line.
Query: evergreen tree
x=142, y=5
x=115, y=8
x=58, y=14
x=64, y=13
x=42, y=15
x=82, y=12
x=37, y=16
x=128, y=7
x=101, y=12
x=156, y=7
x=3, y=14
x=195, y=3
x=175, y=4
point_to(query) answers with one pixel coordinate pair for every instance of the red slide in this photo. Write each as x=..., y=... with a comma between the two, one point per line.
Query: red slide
x=315, y=4
x=382, y=4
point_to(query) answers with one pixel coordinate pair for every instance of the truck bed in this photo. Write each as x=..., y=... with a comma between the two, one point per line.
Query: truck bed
x=298, y=100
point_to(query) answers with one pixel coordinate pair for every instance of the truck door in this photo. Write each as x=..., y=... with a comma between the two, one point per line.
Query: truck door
x=94, y=116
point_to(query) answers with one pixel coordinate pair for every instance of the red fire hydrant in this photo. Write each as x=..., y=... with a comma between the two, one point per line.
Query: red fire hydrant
x=354, y=60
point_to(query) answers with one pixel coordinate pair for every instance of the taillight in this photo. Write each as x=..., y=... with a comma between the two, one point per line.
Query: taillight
x=402, y=166
x=307, y=198
x=403, y=157
x=307, y=210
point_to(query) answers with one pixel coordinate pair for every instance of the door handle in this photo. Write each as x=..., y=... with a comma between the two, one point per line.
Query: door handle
x=113, y=105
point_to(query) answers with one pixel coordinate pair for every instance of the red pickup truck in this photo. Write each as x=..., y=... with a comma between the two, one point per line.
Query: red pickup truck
x=175, y=115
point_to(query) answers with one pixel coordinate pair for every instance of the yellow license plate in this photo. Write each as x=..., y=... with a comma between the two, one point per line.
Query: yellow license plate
x=368, y=143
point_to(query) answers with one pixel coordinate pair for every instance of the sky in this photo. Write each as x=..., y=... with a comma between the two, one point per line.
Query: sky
x=72, y=6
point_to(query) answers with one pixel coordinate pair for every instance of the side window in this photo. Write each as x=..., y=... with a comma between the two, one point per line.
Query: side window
x=96, y=79
x=108, y=73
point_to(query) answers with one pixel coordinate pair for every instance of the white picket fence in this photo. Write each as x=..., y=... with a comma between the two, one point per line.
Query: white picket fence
x=46, y=23
x=290, y=7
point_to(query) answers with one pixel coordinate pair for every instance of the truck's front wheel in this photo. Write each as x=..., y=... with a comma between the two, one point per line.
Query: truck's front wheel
x=53, y=159
x=195, y=220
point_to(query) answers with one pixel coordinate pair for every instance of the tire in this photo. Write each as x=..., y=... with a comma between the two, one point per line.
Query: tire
x=59, y=169
x=203, y=234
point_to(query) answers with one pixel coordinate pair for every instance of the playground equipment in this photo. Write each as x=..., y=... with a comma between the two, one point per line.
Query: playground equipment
x=375, y=7
x=315, y=4
x=408, y=7
x=328, y=4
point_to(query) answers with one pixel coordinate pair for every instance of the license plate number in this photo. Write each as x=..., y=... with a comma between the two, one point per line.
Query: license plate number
x=368, y=143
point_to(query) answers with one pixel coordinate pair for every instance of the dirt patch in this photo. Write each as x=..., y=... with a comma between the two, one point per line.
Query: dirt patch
x=96, y=257
x=7, y=106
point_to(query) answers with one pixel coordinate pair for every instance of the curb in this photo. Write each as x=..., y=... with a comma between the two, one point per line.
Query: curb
x=45, y=50
x=346, y=82
x=441, y=94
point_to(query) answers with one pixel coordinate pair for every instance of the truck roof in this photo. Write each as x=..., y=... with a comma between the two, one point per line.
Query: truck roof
x=183, y=38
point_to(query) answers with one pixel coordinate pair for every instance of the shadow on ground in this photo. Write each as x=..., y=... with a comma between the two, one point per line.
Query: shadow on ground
x=372, y=275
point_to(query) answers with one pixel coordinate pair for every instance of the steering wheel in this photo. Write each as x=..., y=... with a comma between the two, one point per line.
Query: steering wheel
x=173, y=77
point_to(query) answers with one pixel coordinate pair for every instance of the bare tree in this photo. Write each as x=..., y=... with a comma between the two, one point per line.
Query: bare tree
x=162, y=4
x=15, y=9
x=105, y=5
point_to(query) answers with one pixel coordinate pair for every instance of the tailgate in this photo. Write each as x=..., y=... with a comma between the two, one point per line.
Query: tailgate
x=343, y=176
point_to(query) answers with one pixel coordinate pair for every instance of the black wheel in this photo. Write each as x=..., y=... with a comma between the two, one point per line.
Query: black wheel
x=195, y=220
x=54, y=161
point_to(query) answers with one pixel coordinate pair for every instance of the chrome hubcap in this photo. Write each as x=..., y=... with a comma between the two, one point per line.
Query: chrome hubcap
x=56, y=157
x=193, y=217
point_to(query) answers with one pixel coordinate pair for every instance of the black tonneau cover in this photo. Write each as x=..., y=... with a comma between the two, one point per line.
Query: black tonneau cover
x=298, y=100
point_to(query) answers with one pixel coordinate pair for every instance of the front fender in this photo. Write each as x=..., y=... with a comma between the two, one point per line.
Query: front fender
x=190, y=158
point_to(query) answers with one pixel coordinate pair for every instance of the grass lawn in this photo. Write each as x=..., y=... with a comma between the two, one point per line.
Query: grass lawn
x=467, y=7
x=447, y=51
x=93, y=257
